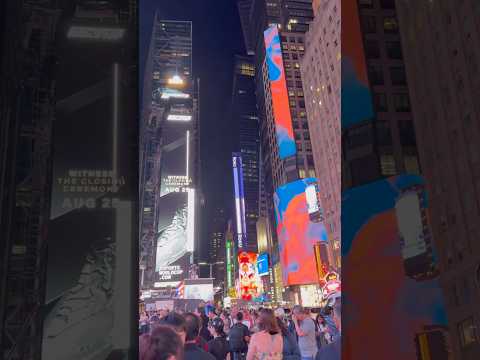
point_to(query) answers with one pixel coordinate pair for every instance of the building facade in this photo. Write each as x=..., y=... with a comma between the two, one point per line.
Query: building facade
x=386, y=146
x=246, y=141
x=26, y=147
x=169, y=156
x=442, y=66
x=321, y=74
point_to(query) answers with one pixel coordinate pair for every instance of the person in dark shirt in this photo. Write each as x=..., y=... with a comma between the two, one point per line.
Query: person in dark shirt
x=219, y=346
x=192, y=350
x=204, y=333
x=238, y=337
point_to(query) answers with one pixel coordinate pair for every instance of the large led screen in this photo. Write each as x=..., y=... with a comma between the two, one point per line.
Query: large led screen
x=356, y=97
x=297, y=233
x=248, y=276
x=389, y=270
x=278, y=85
x=262, y=264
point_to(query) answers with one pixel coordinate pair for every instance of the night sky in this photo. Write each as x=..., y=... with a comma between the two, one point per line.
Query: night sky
x=217, y=37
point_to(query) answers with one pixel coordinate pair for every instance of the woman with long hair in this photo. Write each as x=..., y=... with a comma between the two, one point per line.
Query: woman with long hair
x=267, y=343
x=163, y=343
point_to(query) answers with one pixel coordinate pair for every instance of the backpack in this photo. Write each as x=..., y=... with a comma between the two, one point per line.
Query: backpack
x=236, y=337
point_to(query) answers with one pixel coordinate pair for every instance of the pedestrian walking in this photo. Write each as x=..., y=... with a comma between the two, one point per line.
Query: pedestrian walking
x=219, y=346
x=267, y=343
x=305, y=329
x=238, y=337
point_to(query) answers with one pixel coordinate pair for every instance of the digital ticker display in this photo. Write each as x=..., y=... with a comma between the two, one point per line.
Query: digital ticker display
x=297, y=233
x=280, y=101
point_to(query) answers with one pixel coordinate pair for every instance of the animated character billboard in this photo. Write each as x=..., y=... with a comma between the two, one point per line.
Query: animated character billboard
x=248, y=279
x=297, y=233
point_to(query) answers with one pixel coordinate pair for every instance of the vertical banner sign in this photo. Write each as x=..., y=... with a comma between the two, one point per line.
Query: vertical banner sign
x=248, y=279
x=278, y=85
x=239, y=200
x=91, y=295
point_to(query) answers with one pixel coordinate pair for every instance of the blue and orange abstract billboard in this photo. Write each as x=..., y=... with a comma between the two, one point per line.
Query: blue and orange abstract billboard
x=390, y=272
x=278, y=85
x=297, y=233
x=357, y=105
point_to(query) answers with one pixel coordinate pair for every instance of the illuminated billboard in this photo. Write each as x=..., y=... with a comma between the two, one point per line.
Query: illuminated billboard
x=297, y=233
x=198, y=289
x=248, y=277
x=278, y=86
x=384, y=248
x=239, y=200
x=262, y=264
x=356, y=98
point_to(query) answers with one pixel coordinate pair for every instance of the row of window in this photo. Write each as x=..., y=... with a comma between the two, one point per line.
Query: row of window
x=401, y=102
x=393, y=49
x=397, y=75
x=370, y=25
x=384, y=4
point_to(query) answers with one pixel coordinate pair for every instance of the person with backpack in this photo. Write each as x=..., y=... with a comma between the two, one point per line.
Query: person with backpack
x=238, y=337
x=267, y=343
x=219, y=346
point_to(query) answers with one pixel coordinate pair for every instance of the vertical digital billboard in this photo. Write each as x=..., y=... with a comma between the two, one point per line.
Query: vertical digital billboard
x=387, y=246
x=297, y=233
x=356, y=98
x=248, y=277
x=262, y=264
x=239, y=200
x=278, y=85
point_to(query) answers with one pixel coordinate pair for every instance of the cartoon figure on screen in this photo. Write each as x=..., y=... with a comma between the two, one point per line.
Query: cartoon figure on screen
x=247, y=275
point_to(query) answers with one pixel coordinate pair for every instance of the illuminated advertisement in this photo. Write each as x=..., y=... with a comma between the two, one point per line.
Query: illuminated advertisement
x=262, y=264
x=278, y=85
x=248, y=278
x=356, y=98
x=312, y=200
x=297, y=233
x=397, y=263
x=239, y=200
x=198, y=289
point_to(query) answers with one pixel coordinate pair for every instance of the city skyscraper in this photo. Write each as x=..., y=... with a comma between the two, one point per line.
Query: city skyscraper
x=26, y=171
x=386, y=146
x=321, y=74
x=246, y=141
x=442, y=66
x=217, y=245
x=281, y=165
x=169, y=156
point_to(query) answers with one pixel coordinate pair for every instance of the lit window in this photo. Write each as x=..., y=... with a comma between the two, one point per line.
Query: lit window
x=468, y=332
x=387, y=163
x=301, y=173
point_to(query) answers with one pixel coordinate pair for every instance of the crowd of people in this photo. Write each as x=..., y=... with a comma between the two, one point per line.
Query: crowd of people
x=239, y=334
